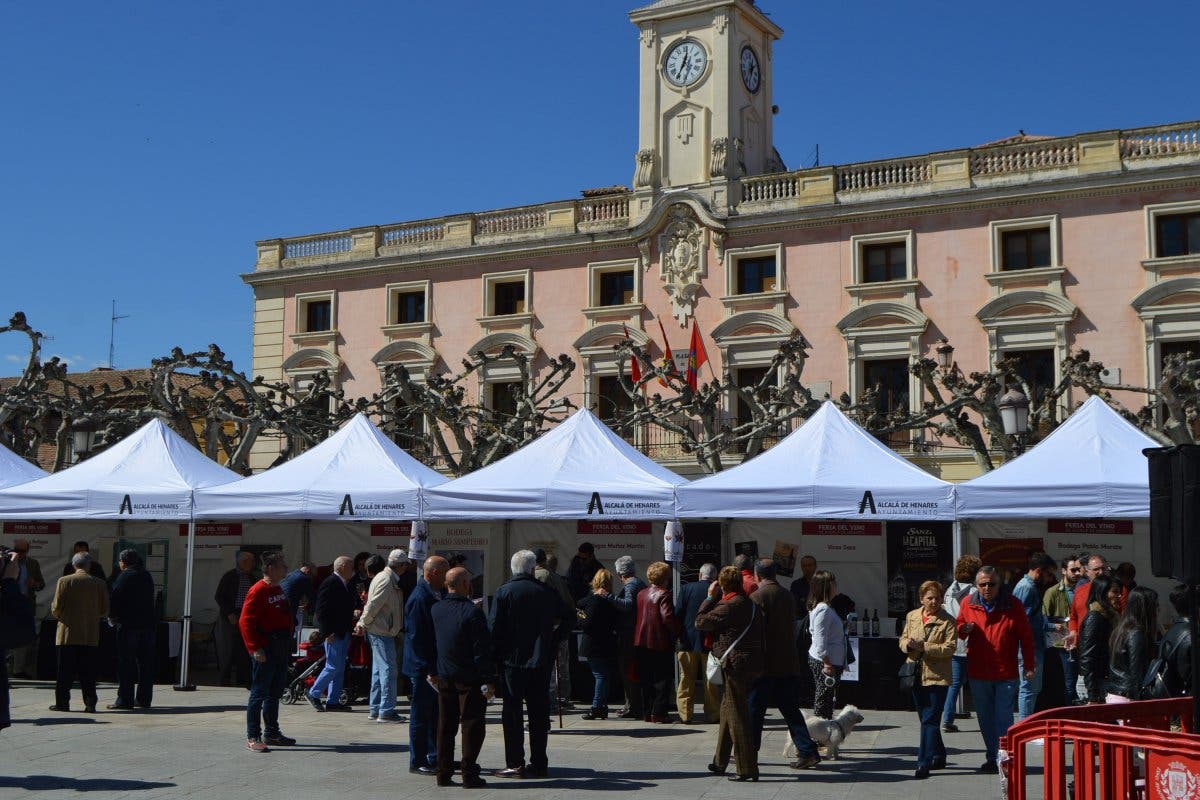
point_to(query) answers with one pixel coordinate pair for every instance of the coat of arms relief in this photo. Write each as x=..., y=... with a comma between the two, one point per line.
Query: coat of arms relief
x=683, y=249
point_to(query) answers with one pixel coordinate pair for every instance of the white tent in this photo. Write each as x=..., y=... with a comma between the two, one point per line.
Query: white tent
x=15, y=470
x=829, y=468
x=358, y=473
x=1090, y=466
x=579, y=470
x=148, y=475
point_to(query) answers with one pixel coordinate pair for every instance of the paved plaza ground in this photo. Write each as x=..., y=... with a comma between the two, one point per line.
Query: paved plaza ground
x=191, y=744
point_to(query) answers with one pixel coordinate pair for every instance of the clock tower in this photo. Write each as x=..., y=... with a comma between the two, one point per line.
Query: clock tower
x=705, y=80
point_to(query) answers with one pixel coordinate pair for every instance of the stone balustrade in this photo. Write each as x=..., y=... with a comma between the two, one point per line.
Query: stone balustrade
x=994, y=165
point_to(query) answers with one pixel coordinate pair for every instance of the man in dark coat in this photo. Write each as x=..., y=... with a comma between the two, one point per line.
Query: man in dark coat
x=799, y=587
x=299, y=589
x=464, y=666
x=693, y=655
x=131, y=610
x=527, y=620
x=95, y=570
x=779, y=685
x=232, y=659
x=334, y=618
x=582, y=568
x=420, y=661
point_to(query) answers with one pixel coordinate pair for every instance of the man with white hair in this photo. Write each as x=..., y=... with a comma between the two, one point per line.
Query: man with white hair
x=80, y=602
x=527, y=620
x=382, y=620
x=334, y=618
x=626, y=603
x=692, y=654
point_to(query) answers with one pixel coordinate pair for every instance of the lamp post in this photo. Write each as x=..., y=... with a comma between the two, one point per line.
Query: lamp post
x=83, y=437
x=1013, y=406
x=945, y=354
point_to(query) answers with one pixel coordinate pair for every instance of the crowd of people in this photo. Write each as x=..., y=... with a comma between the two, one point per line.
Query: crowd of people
x=739, y=641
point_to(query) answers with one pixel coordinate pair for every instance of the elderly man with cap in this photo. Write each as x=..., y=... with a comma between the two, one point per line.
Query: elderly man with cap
x=382, y=620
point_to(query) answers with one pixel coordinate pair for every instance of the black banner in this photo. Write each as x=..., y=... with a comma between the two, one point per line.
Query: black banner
x=916, y=552
x=701, y=545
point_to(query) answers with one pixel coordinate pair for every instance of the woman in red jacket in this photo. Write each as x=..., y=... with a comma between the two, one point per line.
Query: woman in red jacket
x=654, y=635
x=994, y=625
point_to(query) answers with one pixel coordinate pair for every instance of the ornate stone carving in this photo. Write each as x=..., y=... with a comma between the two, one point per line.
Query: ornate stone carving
x=727, y=158
x=647, y=36
x=644, y=173
x=682, y=253
x=685, y=126
x=643, y=247
x=718, y=238
x=720, y=21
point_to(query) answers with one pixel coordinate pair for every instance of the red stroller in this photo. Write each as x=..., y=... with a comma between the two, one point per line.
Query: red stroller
x=309, y=660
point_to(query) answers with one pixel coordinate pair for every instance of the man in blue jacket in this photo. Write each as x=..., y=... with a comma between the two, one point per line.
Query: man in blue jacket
x=420, y=661
x=692, y=652
x=626, y=603
x=131, y=609
x=527, y=620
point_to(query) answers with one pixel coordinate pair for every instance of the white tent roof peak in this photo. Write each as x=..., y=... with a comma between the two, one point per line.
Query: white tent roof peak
x=149, y=474
x=15, y=470
x=357, y=473
x=1089, y=466
x=561, y=475
x=829, y=467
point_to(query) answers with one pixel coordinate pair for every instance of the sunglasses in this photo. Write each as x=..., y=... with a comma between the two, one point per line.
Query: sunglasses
x=985, y=585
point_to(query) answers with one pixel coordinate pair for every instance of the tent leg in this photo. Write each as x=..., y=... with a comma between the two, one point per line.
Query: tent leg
x=186, y=636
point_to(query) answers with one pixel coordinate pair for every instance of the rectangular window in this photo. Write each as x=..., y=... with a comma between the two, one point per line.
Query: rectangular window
x=410, y=307
x=1027, y=248
x=745, y=378
x=1189, y=348
x=1036, y=368
x=884, y=262
x=756, y=275
x=508, y=298
x=616, y=288
x=318, y=315
x=889, y=379
x=612, y=401
x=1176, y=234
x=503, y=402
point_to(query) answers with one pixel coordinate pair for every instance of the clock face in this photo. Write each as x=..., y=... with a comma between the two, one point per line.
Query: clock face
x=751, y=76
x=685, y=63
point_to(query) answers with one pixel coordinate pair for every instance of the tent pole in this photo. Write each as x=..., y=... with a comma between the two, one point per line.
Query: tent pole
x=186, y=636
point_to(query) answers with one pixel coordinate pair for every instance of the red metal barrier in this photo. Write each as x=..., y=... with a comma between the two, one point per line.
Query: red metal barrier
x=1108, y=742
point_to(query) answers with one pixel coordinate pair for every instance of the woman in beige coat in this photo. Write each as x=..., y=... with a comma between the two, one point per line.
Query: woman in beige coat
x=929, y=639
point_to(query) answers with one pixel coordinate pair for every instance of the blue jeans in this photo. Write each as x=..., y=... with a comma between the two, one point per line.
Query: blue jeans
x=383, y=674
x=422, y=723
x=1070, y=668
x=994, y=708
x=784, y=694
x=335, y=667
x=601, y=669
x=930, y=702
x=958, y=666
x=1028, y=693
x=267, y=682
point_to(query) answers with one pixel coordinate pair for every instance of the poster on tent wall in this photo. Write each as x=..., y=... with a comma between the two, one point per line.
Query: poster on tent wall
x=916, y=552
x=1010, y=557
x=465, y=545
x=701, y=545
x=843, y=540
x=1113, y=538
x=44, y=537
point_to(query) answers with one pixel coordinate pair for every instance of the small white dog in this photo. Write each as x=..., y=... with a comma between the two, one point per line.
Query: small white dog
x=829, y=732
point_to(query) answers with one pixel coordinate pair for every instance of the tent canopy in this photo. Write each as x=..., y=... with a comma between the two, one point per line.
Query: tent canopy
x=150, y=474
x=15, y=470
x=358, y=473
x=1090, y=466
x=828, y=468
x=579, y=470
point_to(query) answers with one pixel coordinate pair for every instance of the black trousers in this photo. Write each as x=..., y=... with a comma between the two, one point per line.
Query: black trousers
x=459, y=704
x=530, y=687
x=76, y=660
x=135, y=666
x=657, y=672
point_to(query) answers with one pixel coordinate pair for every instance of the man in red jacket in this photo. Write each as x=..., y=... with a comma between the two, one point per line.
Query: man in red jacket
x=994, y=625
x=266, y=626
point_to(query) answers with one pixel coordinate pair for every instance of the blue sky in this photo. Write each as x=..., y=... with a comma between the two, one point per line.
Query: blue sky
x=147, y=145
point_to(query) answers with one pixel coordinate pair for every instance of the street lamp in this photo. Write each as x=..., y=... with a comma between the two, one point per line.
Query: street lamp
x=945, y=354
x=1013, y=406
x=83, y=437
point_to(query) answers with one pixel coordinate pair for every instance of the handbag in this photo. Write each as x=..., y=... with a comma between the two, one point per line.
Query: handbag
x=910, y=671
x=714, y=667
x=1154, y=682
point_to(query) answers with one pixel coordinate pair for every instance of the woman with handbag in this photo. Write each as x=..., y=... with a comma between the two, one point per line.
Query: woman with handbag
x=827, y=653
x=1133, y=645
x=737, y=658
x=929, y=640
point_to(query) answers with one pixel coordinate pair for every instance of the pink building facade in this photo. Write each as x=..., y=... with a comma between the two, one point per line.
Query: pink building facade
x=1030, y=246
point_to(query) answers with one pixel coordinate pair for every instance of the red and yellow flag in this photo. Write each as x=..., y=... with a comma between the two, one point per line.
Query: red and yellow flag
x=635, y=369
x=668, y=359
x=697, y=356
